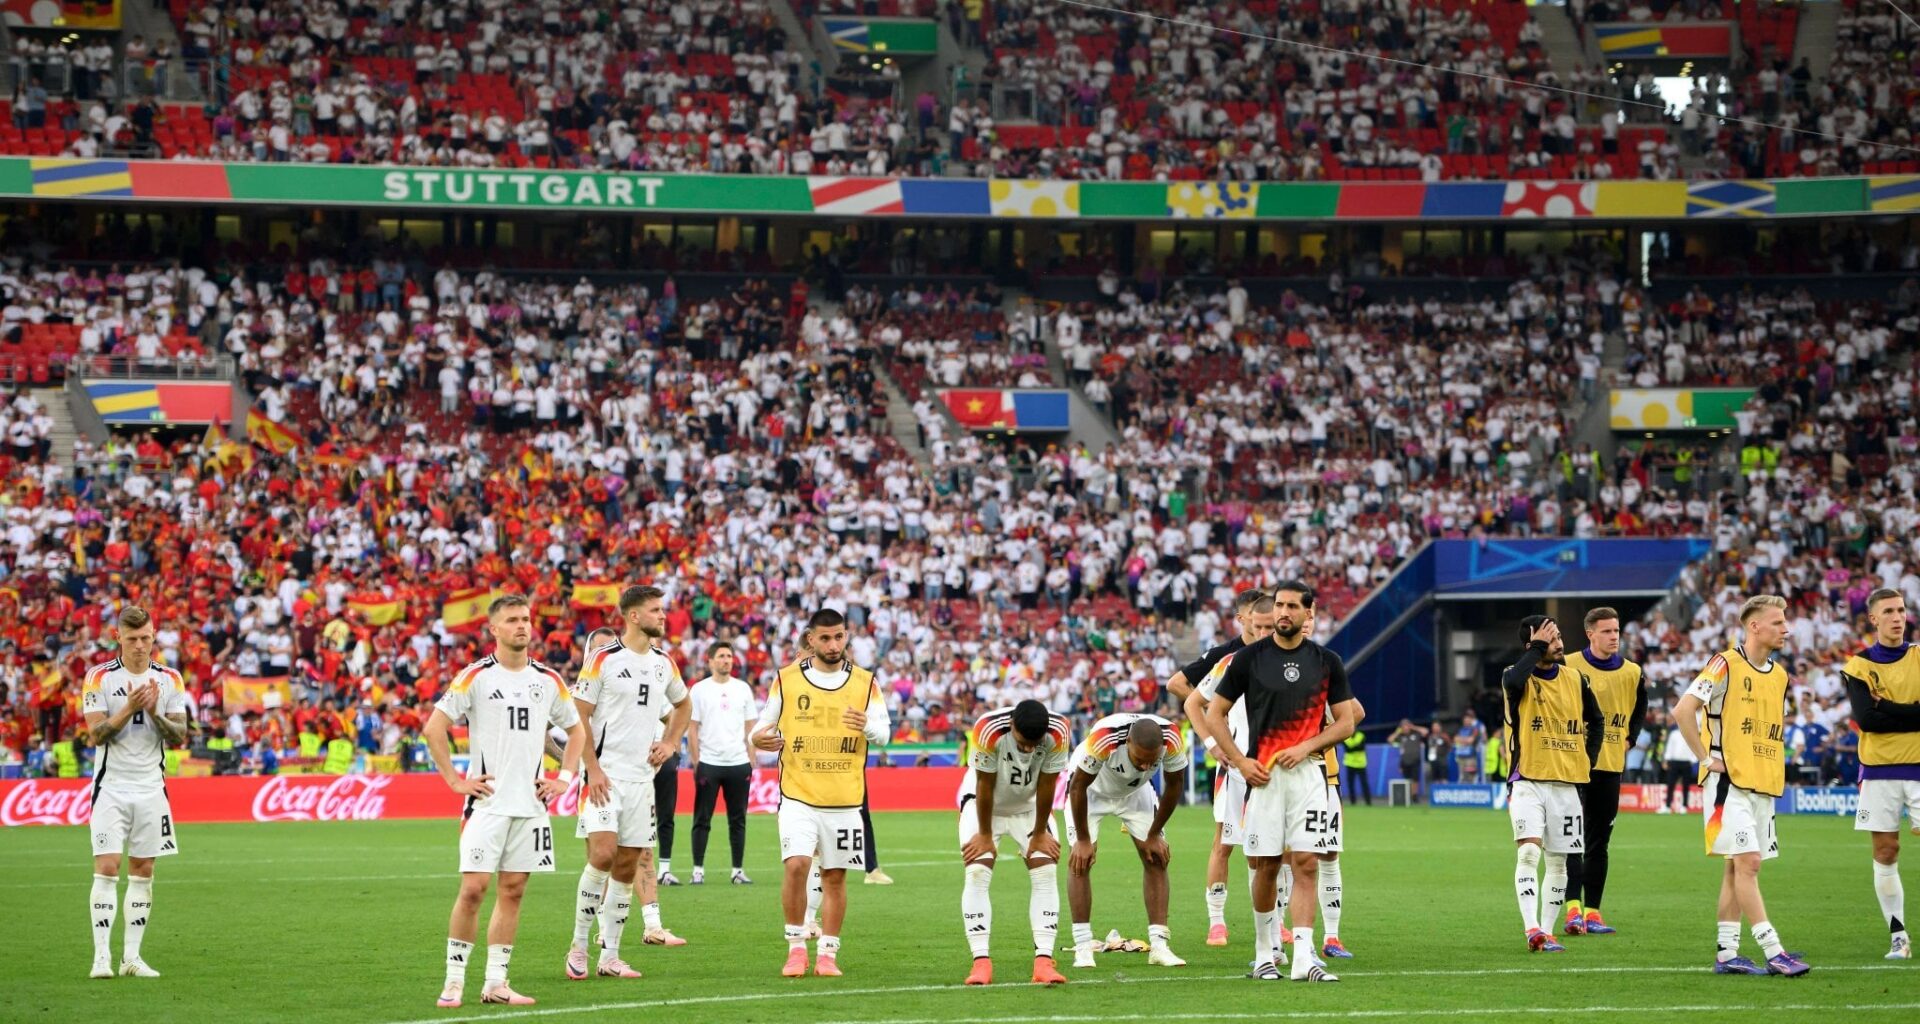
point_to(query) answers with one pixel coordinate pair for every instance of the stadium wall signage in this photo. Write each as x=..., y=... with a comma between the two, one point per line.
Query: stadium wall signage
x=231, y=798
x=160, y=402
x=1675, y=408
x=1466, y=794
x=200, y=182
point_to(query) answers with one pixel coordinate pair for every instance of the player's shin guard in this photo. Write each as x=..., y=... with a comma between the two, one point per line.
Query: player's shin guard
x=139, y=906
x=1892, y=896
x=1526, y=884
x=497, y=957
x=976, y=908
x=815, y=892
x=1330, y=899
x=1556, y=882
x=106, y=905
x=1043, y=908
x=458, y=953
x=614, y=911
x=586, y=903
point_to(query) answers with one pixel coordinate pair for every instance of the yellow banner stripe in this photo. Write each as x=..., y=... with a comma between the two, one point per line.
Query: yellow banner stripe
x=84, y=186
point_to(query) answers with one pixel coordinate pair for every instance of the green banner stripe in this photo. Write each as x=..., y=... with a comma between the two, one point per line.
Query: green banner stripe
x=1123, y=199
x=903, y=36
x=16, y=177
x=1715, y=409
x=1820, y=195
x=1306, y=200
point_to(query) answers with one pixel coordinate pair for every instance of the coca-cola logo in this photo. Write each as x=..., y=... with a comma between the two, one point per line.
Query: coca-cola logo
x=567, y=803
x=763, y=797
x=35, y=802
x=321, y=798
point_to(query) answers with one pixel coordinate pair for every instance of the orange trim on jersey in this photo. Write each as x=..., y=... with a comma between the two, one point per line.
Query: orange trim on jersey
x=990, y=729
x=1061, y=731
x=92, y=682
x=1106, y=741
x=464, y=681
x=558, y=680
x=1716, y=670
x=599, y=658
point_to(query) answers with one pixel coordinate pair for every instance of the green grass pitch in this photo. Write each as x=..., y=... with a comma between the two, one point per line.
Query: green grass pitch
x=345, y=922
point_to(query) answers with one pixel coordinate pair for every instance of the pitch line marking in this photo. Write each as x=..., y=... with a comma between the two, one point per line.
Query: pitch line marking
x=826, y=993
x=1366, y=1014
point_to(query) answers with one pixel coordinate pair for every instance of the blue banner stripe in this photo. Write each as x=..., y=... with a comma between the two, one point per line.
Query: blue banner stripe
x=967, y=198
x=1041, y=410
x=1463, y=200
x=71, y=172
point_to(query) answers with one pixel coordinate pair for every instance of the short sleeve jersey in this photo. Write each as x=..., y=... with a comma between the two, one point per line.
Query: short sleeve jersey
x=134, y=760
x=993, y=747
x=630, y=690
x=1103, y=754
x=507, y=714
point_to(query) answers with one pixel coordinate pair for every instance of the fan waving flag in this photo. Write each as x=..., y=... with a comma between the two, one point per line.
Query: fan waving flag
x=977, y=409
x=596, y=594
x=270, y=435
x=378, y=609
x=466, y=609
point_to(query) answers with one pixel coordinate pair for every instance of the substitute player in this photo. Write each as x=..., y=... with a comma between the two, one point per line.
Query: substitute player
x=822, y=713
x=1619, y=688
x=623, y=691
x=1298, y=705
x=1553, y=732
x=508, y=700
x=1112, y=769
x=721, y=754
x=1016, y=755
x=1743, y=696
x=1193, y=685
x=1883, y=683
x=136, y=708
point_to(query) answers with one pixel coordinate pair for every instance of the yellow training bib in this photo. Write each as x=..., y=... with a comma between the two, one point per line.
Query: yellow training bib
x=824, y=763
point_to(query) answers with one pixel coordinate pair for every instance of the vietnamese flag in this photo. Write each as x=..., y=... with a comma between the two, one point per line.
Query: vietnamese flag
x=977, y=409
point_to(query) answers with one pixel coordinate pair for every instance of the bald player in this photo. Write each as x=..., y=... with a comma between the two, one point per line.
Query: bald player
x=1112, y=770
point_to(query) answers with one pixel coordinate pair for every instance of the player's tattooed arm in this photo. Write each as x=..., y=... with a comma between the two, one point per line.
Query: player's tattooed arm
x=172, y=729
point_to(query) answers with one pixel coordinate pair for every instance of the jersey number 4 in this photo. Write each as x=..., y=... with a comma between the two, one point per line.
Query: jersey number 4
x=849, y=839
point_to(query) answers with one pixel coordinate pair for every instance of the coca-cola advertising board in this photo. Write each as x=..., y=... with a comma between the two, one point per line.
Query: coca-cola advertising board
x=379, y=797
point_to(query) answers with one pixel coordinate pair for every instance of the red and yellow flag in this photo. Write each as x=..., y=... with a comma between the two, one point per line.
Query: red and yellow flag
x=378, y=609
x=596, y=594
x=270, y=435
x=466, y=609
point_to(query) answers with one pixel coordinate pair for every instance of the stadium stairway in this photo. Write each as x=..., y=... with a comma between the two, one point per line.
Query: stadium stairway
x=901, y=422
x=1561, y=38
x=65, y=432
x=1813, y=39
x=801, y=38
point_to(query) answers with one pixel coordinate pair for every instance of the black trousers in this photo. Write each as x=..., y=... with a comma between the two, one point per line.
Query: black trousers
x=666, y=797
x=710, y=782
x=1599, y=806
x=1357, y=777
x=873, y=850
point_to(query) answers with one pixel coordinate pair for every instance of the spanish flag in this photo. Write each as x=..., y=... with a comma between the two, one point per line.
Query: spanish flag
x=270, y=435
x=378, y=609
x=466, y=609
x=596, y=594
x=232, y=460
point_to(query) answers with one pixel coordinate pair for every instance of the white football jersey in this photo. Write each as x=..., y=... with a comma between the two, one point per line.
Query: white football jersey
x=993, y=747
x=1236, y=716
x=135, y=760
x=630, y=690
x=1103, y=754
x=507, y=715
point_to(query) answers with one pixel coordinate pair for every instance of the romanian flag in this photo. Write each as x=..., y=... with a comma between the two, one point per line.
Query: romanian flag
x=596, y=594
x=270, y=435
x=466, y=609
x=378, y=609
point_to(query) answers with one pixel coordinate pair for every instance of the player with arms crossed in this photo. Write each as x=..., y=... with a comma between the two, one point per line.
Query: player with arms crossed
x=623, y=691
x=822, y=713
x=1553, y=732
x=1883, y=684
x=1111, y=771
x=1015, y=759
x=1298, y=706
x=136, y=708
x=1620, y=690
x=1194, y=686
x=508, y=700
x=1743, y=696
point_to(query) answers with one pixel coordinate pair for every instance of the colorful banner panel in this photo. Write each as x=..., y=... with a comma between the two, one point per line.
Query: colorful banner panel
x=96, y=15
x=1667, y=39
x=848, y=196
x=161, y=402
x=1675, y=408
x=882, y=35
x=1006, y=409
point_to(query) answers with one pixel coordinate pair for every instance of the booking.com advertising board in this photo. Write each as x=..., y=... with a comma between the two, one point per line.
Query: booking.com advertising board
x=1839, y=801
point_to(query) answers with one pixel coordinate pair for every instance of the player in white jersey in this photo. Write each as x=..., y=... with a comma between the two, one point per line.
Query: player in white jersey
x=136, y=708
x=508, y=701
x=1014, y=759
x=624, y=690
x=1111, y=771
x=1253, y=613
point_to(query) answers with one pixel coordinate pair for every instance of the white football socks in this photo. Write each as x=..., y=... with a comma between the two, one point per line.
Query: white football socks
x=1556, y=888
x=497, y=957
x=586, y=902
x=105, y=899
x=139, y=905
x=1526, y=885
x=1216, y=904
x=815, y=892
x=1266, y=935
x=650, y=916
x=1302, y=952
x=1043, y=907
x=458, y=952
x=614, y=911
x=1330, y=898
x=1893, y=897
x=976, y=908
x=1727, y=945
x=1768, y=939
